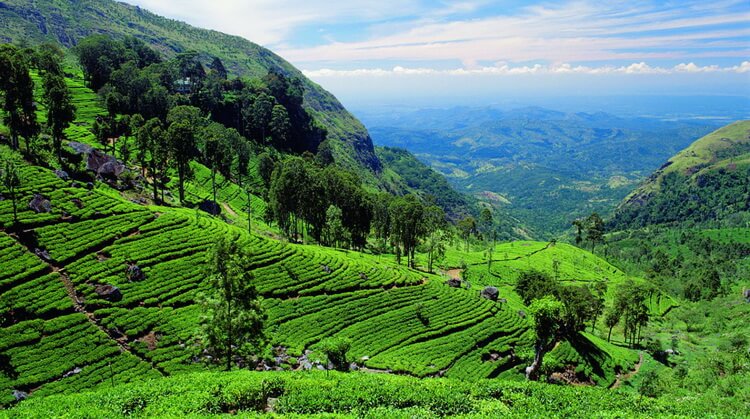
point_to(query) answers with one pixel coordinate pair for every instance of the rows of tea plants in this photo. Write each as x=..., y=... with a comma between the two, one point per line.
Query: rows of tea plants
x=27, y=288
x=65, y=241
x=66, y=353
x=65, y=202
x=363, y=395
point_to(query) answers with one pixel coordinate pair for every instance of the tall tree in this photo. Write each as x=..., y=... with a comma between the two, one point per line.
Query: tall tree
x=184, y=123
x=547, y=314
x=279, y=126
x=11, y=181
x=153, y=150
x=594, y=230
x=407, y=213
x=233, y=323
x=60, y=109
x=216, y=152
x=17, y=88
x=467, y=227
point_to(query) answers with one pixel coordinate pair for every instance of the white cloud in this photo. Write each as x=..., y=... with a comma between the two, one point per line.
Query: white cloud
x=502, y=69
x=272, y=22
x=571, y=32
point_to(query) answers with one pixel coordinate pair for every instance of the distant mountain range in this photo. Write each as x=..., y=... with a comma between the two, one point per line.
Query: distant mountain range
x=544, y=167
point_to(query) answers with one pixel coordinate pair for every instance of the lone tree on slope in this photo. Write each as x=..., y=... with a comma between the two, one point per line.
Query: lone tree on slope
x=232, y=326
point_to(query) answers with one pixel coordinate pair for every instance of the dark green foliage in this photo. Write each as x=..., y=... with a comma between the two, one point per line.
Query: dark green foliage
x=533, y=284
x=17, y=89
x=336, y=351
x=233, y=320
x=10, y=181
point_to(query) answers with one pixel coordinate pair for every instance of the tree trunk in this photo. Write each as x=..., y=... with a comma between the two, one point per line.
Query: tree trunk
x=181, y=183
x=532, y=371
x=156, y=186
x=229, y=334
x=213, y=188
x=610, y=333
x=15, y=209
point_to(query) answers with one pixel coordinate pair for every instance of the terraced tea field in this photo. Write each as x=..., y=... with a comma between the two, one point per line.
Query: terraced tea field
x=54, y=263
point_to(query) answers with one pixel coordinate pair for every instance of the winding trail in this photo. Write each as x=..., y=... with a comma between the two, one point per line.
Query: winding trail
x=623, y=377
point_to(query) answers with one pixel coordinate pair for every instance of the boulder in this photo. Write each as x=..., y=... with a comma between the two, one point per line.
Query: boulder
x=20, y=395
x=453, y=282
x=747, y=295
x=210, y=207
x=521, y=313
x=135, y=273
x=40, y=204
x=98, y=162
x=490, y=293
x=62, y=174
x=108, y=292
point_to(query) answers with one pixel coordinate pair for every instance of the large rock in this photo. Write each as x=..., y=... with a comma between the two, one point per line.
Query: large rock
x=98, y=162
x=490, y=293
x=747, y=295
x=108, y=292
x=40, y=204
x=135, y=273
x=453, y=282
x=20, y=395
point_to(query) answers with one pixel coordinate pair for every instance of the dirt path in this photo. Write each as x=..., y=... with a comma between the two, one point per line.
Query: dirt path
x=623, y=377
x=454, y=273
x=80, y=306
x=228, y=209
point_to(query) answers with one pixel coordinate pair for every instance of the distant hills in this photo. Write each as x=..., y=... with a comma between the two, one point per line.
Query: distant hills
x=541, y=166
x=707, y=182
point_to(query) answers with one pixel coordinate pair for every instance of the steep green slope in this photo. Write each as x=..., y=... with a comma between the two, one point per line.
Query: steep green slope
x=67, y=22
x=707, y=182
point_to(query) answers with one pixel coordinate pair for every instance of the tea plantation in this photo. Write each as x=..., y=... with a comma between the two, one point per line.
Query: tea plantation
x=332, y=394
x=64, y=334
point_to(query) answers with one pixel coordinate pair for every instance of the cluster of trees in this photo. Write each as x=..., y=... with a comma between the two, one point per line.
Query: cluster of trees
x=630, y=309
x=17, y=90
x=559, y=312
x=686, y=263
x=721, y=195
x=307, y=196
x=590, y=229
x=132, y=78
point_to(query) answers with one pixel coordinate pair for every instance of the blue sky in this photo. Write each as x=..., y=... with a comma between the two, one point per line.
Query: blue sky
x=477, y=48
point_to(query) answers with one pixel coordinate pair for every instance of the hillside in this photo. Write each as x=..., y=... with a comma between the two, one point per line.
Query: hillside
x=543, y=167
x=708, y=182
x=63, y=332
x=66, y=22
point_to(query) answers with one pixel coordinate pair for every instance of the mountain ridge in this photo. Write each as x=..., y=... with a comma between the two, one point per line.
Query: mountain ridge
x=67, y=22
